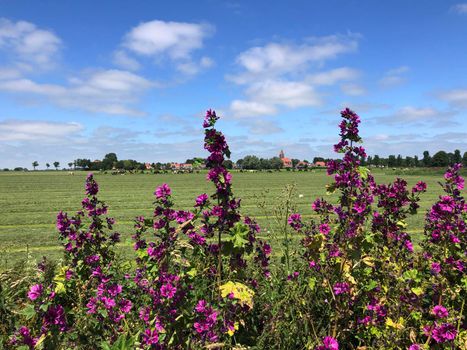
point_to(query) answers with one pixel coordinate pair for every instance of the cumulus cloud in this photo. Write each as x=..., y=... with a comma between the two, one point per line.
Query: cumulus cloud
x=276, y=59
x=460, y=8
x=277, y=75
x=34, y=130
x=240, y=108
x=333, y=76
x=106, y=91
x=353, y=89
x=160, y=40
x=395, y=76
x=33, y=47
x=420, y=116
x=457, y=97
x=122, y=59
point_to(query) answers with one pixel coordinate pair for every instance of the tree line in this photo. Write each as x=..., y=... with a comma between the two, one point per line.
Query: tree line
x=111, y=161
x=439, y=159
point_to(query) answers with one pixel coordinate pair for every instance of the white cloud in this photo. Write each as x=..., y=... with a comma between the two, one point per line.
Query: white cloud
x=33, y=46
x=420, y=116
x=457, y=97
x=277, y=75
x=175, y=39
x=241, y=108
x=395, y=76
x=292, y=94
x=27, y=130
x=277, y=59
x=353, y=89
x=460, y=8
x=107, y=91
x=333, y=76
x=192, y=67
x=160, y=41
x=9, y=73
x=122, y=59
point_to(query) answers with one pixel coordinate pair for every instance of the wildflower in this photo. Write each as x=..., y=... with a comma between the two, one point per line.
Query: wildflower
x=324, y=229
x=35, y=291
x=329, y=343
x=341, y=288
x=201, y=200
x=163, y=191
x=440, y=311
x=168, y=291
x=150, y=337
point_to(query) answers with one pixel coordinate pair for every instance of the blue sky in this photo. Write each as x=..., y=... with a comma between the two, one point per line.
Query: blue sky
x=79, y=79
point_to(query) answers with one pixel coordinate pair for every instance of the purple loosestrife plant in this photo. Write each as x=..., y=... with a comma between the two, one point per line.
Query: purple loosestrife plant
x=60, y=307
x=444, y=265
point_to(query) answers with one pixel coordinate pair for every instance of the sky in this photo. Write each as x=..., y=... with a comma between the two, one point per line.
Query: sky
x=80, y=79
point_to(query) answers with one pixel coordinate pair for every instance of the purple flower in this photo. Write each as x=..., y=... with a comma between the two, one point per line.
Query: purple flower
x=201, y=306
x=150, y=337
x=324, y=229
x=440, y=311
x=415, y=347
x=168, y=291
x=329, y=343
x=419, y=187
x=35, y=291
x=125, y=306
x=108, y=302
x=444, y=332
x=201, y=200
x=163, y=191
x=435, y=268
x=341, y=288
x=295, y=221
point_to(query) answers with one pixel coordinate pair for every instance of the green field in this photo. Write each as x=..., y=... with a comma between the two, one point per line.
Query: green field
x=30, y=202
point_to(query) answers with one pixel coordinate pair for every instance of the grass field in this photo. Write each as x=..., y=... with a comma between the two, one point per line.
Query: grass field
x=30, y=202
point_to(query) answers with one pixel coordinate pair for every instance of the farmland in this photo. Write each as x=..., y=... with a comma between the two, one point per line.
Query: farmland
x=30, y=202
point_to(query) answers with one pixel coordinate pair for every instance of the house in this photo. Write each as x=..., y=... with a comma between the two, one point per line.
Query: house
x=286, y=162
x=319, y=164
x=147, y=166
x=303, y=165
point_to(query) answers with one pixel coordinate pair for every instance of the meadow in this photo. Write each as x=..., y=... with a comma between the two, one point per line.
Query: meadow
x=30, y=202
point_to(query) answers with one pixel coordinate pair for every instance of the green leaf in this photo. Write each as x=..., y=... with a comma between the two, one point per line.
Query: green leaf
x=363, y=172
x=28, y=311
x=312, y=283
x=371, y=285
x=411, y=275
x=192, y=273
x=417, y=291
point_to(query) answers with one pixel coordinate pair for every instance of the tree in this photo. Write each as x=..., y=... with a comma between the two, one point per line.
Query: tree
x=56, y=165
x=440, y=159
x=457, y=158
x=35, y=164
x=392, y=160
x=109, y=161
x=82, y=163
x=47, y=165
x=399, y=161
x=251, y=162
x=318, y=159
x=70, y=164
x=464, y=159
x=426, y=159
x=228, y=164
x=276, y=163
x=416, y=162
x=294, y=162
x=376, y=160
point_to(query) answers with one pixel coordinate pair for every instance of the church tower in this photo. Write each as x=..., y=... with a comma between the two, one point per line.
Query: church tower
x=281, y=155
